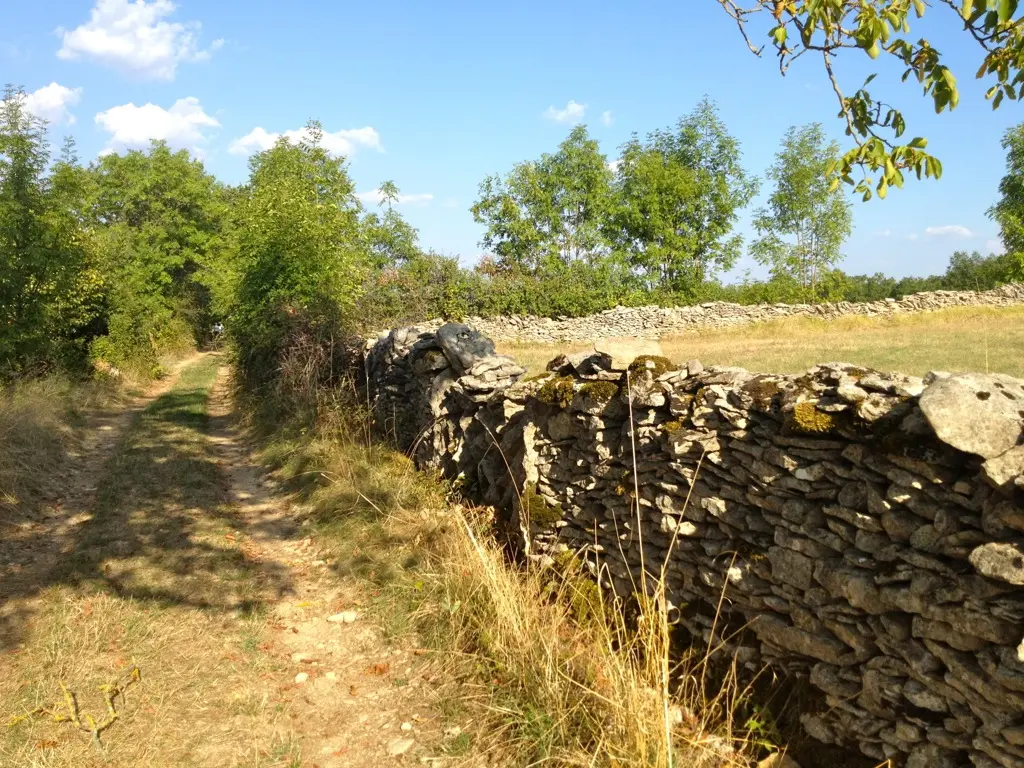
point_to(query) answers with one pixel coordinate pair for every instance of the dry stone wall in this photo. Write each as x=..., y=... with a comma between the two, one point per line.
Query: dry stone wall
x=655, y=322
x=862, y=532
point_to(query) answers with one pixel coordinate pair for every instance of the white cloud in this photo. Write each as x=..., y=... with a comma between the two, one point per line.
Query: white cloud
x=184, y=125
x=134, y=37
x=374, y=196
x=948, y=229
x=613, y=166
x=606, y=117
x=912, y=236
x=52, y=103
x=995, y=246
x=573, y=111
x=884, y=233
x=344, y=142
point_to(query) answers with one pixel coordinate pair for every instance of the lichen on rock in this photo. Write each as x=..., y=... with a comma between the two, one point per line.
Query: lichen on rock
x=808, y=419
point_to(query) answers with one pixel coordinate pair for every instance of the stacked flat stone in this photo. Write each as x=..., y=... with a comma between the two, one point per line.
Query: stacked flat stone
x=860, y=531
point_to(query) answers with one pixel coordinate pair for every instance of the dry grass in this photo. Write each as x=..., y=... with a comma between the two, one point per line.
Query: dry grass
x=963, y=339
x=154, y=578
x=542, y=668
x=37, y=430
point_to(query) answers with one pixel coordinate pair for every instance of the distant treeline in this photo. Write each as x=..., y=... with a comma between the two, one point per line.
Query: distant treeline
x=134, y=256
x=435, y=286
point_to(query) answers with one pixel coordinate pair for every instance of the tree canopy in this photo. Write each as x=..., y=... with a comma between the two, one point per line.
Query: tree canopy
x=824, y=29
x=807, y=219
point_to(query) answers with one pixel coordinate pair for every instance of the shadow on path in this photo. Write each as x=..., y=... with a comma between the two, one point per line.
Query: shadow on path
x=163, y=528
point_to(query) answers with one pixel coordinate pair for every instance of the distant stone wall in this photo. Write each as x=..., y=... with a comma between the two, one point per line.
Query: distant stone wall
x=862, y=532
x=655, y=322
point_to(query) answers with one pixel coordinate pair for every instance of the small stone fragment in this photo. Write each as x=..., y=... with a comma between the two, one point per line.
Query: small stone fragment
x=400, y=746
x=301, y=678
x=345, y=617
x=1001, y=471
x=778, y=760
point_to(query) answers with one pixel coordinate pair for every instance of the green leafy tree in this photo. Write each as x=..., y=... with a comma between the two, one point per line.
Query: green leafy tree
x=164, y=226
x=974, y=272
x=678, y=196
x=303, y=257
x=807, y=218
x=1009, y=211
x=23, y=253
x=390, y=239
x=825, y=28
x=548, y=213
x=75, y=302
x=47, y=284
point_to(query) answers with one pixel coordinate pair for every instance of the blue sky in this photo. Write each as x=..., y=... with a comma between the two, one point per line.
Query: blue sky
x=435, y=96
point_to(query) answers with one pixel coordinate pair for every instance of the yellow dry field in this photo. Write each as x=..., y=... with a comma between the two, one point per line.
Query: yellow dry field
x=962, y=339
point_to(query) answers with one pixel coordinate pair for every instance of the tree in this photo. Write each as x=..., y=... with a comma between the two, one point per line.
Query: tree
x=302, y=255
x=825, y=28
x=47, y=286
x=390, y=239
x=804, y=207
x=23, y=160
x=548, y=213
x=1009, y=211
x=164, y=227
x=974, y=272
x=678, y=196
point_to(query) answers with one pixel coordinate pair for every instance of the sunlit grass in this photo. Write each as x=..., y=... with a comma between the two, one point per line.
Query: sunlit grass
x=962, y=339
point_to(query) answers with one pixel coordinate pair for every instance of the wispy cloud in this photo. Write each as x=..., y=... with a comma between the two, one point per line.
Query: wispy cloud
x=911, y=236
x=450, y=203
x=883, y=233
x=573, y=111
x=948, y=229
x=606, y=117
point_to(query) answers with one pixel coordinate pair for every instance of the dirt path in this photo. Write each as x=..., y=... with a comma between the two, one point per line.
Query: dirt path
x=175, y=555
x=356, y=701
x=32, y=541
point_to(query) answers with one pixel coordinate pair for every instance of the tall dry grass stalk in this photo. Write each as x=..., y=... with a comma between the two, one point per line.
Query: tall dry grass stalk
x=546, y=667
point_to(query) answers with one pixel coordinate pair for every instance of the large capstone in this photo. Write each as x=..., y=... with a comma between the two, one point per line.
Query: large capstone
x=463, y=346
x=976, y=413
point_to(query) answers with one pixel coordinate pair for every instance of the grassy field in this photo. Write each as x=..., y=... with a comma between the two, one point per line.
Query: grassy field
x=963, y=339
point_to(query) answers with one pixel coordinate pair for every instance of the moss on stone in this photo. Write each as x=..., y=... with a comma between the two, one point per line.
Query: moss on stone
x=655, y=364
x=808, y=419
x=537, y=509
x=558, y=391
x=671, y=427
x=762, y=390
x=600, y=391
